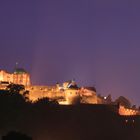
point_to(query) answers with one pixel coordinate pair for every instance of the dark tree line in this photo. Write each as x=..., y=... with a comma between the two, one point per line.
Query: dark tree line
x=13, y=135
x=45, y=119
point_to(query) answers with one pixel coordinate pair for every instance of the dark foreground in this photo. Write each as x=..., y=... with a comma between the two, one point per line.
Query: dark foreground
x=49, y=121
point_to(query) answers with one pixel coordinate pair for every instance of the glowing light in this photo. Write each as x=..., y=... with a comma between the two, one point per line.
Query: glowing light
x=126, y=121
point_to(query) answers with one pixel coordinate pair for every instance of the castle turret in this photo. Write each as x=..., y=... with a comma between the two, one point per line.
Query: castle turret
x=20, y=76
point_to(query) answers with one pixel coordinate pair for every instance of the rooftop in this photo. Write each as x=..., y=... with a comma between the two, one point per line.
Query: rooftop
x=19, y=71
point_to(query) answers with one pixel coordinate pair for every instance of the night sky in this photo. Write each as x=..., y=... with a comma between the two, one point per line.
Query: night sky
x=95, y=42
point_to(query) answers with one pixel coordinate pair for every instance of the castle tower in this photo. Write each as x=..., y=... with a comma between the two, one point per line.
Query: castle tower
x=20, y=76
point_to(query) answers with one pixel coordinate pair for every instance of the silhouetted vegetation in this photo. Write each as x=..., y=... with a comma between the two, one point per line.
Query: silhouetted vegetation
x=15, y=88
x=45, y=119
x=16, y=136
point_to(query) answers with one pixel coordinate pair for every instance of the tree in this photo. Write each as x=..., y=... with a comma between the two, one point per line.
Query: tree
x=16, y=136
x=45, y=101
x=18, y=89
x=15, y=88
x=26, y=95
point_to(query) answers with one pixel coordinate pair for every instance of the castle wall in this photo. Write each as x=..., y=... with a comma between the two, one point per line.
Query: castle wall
x=4, y=76
x=63, y=96
x=22, y=78
x=37, y=92
x=128, y=112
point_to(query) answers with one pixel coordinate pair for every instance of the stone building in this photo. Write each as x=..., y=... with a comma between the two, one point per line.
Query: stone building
x=19, y=76
x=68, y=93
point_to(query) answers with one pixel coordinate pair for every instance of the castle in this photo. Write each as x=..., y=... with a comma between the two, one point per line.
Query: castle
x=19, y=76
x=67, y=93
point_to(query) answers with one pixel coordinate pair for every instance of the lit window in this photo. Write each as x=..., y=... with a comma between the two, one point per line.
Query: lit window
x=126, y=121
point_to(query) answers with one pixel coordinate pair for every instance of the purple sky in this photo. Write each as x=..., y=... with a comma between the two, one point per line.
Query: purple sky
x=96, y=42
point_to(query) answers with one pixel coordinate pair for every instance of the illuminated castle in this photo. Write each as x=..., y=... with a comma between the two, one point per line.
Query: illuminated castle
x=67, y=93
x=19, y=76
